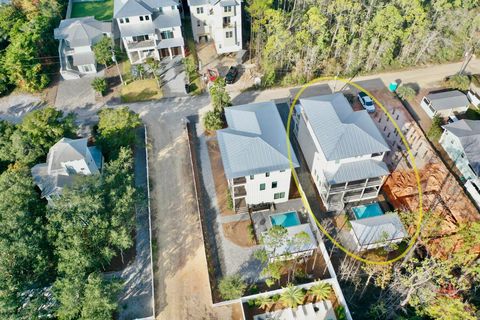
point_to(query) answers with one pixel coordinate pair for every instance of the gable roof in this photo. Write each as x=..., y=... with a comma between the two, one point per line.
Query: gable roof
x=468, y=132
x=254, y=142
x=66, y=150
x=357, y=170
x=341, y=131
x=448, y=100
x=131, y=8
x=386, y=227
x=82, y=31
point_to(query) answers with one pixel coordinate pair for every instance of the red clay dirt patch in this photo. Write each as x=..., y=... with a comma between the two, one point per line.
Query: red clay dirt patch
x=219, y=178
x=238, y=232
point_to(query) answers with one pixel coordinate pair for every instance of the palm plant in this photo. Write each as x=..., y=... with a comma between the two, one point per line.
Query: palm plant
x=292, y=296
x=264, y=302
x=321, y=291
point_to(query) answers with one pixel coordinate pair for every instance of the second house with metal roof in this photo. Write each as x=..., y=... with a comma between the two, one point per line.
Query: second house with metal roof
x=149, y=29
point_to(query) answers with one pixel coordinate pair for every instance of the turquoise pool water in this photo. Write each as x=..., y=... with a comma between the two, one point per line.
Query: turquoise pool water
x=286, y=219
x=367, y=211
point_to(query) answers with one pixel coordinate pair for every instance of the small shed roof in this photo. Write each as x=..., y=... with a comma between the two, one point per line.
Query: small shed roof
x=448, y=100
x=386, y=227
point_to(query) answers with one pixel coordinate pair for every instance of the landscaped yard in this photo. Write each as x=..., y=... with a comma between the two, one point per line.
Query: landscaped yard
x=101, y=10
x=141, y=90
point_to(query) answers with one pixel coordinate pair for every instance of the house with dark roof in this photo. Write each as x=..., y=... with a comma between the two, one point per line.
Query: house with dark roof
x=343, y=148
x=461, y=141
x=445, y=104
x=65, y=159
x=149, y=29
x=76, y=40
x=217, y=20
x=255, y=156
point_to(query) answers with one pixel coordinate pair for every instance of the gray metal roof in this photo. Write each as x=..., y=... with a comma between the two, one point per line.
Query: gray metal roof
x=132, y=8
x=168, y=43
x=66, y=150
x=254, y=142
x=468, y=132
x=340, y=131
x=386, y=227
x=448, y=100
x=137, y=29
x=288, y=247
x=83, y=58
x=167, y=20
x=357, y=170
x=81, y=32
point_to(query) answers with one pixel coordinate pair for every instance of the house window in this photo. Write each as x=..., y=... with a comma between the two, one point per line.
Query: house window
x=279, y=195
x=227, y=9
x=267, y=174
x=274, y=184
x=121, y=21
x=127, y=20
x=173, y=7
x=251, y=177
x=147, y=18
x=262, y=186
x=204, y=23
x=229, y=34
x=160, y=10
x=200, y=10
x=226, y=21
x=166, y=34
x=282, y=170
x=141, y=18
x=198, y=23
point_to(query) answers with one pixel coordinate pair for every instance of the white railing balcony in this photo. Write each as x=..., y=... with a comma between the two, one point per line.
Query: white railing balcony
x=140, y=44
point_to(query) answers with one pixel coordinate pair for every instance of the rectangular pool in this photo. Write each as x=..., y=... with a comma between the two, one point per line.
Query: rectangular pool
x=286, y=219
x=367, y=211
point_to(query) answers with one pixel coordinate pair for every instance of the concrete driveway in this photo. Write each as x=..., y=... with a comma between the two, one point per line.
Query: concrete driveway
x=72, y=94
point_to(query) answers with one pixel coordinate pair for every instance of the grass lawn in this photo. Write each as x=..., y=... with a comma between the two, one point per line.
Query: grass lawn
x=141, y=90
x=101, y=10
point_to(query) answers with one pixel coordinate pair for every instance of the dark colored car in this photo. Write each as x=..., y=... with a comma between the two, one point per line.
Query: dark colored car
x=231, y=75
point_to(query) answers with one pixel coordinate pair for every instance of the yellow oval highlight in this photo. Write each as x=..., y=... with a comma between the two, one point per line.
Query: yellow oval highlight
x=304, y=199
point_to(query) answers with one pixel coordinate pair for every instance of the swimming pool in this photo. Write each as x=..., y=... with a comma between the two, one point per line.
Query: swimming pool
x=286, y=219
x=367, y=211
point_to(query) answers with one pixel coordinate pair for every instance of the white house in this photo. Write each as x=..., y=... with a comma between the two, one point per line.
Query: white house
x=76, y=40
x=445, y=104
x=378, y=231
x=65, y=159
x=149, y=28
x=461, y=141
x=320, y=310
x=254, y=154
x=344, y=149
x=217, y=20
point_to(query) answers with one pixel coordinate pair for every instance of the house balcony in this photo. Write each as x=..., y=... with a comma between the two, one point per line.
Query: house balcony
x=239, y=181
x=227, y=25
x=357, y=197
x=239, y=192
x=133, y=45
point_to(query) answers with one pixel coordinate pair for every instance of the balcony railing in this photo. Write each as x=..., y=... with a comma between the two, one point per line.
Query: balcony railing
x=228, y=25
x=141, y=44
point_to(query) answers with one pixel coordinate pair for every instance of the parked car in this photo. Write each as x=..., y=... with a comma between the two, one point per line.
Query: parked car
x=366, y=101
x=231, y=75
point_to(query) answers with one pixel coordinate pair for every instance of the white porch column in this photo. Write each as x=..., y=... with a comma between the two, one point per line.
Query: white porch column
x=183, y=51
x=170, y=52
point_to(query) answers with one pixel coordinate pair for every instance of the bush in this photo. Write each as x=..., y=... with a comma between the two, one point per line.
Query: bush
x=231, y=287
x=459, y=82
x=436, y=129
x=406, y=93
x=213, y=120
x=229, y=200
x=341, y=314
x=99, y=85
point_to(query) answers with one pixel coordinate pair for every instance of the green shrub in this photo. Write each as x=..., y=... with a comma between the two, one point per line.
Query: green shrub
x=458, y=81
x=436, y=129
x=229, y=200
x=341, y=313
x=231, y=287
x=99, y=85
x=213, y=120
x=406, y=93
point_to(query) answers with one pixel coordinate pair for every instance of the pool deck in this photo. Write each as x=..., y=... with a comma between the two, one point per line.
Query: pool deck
x=261, y=219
